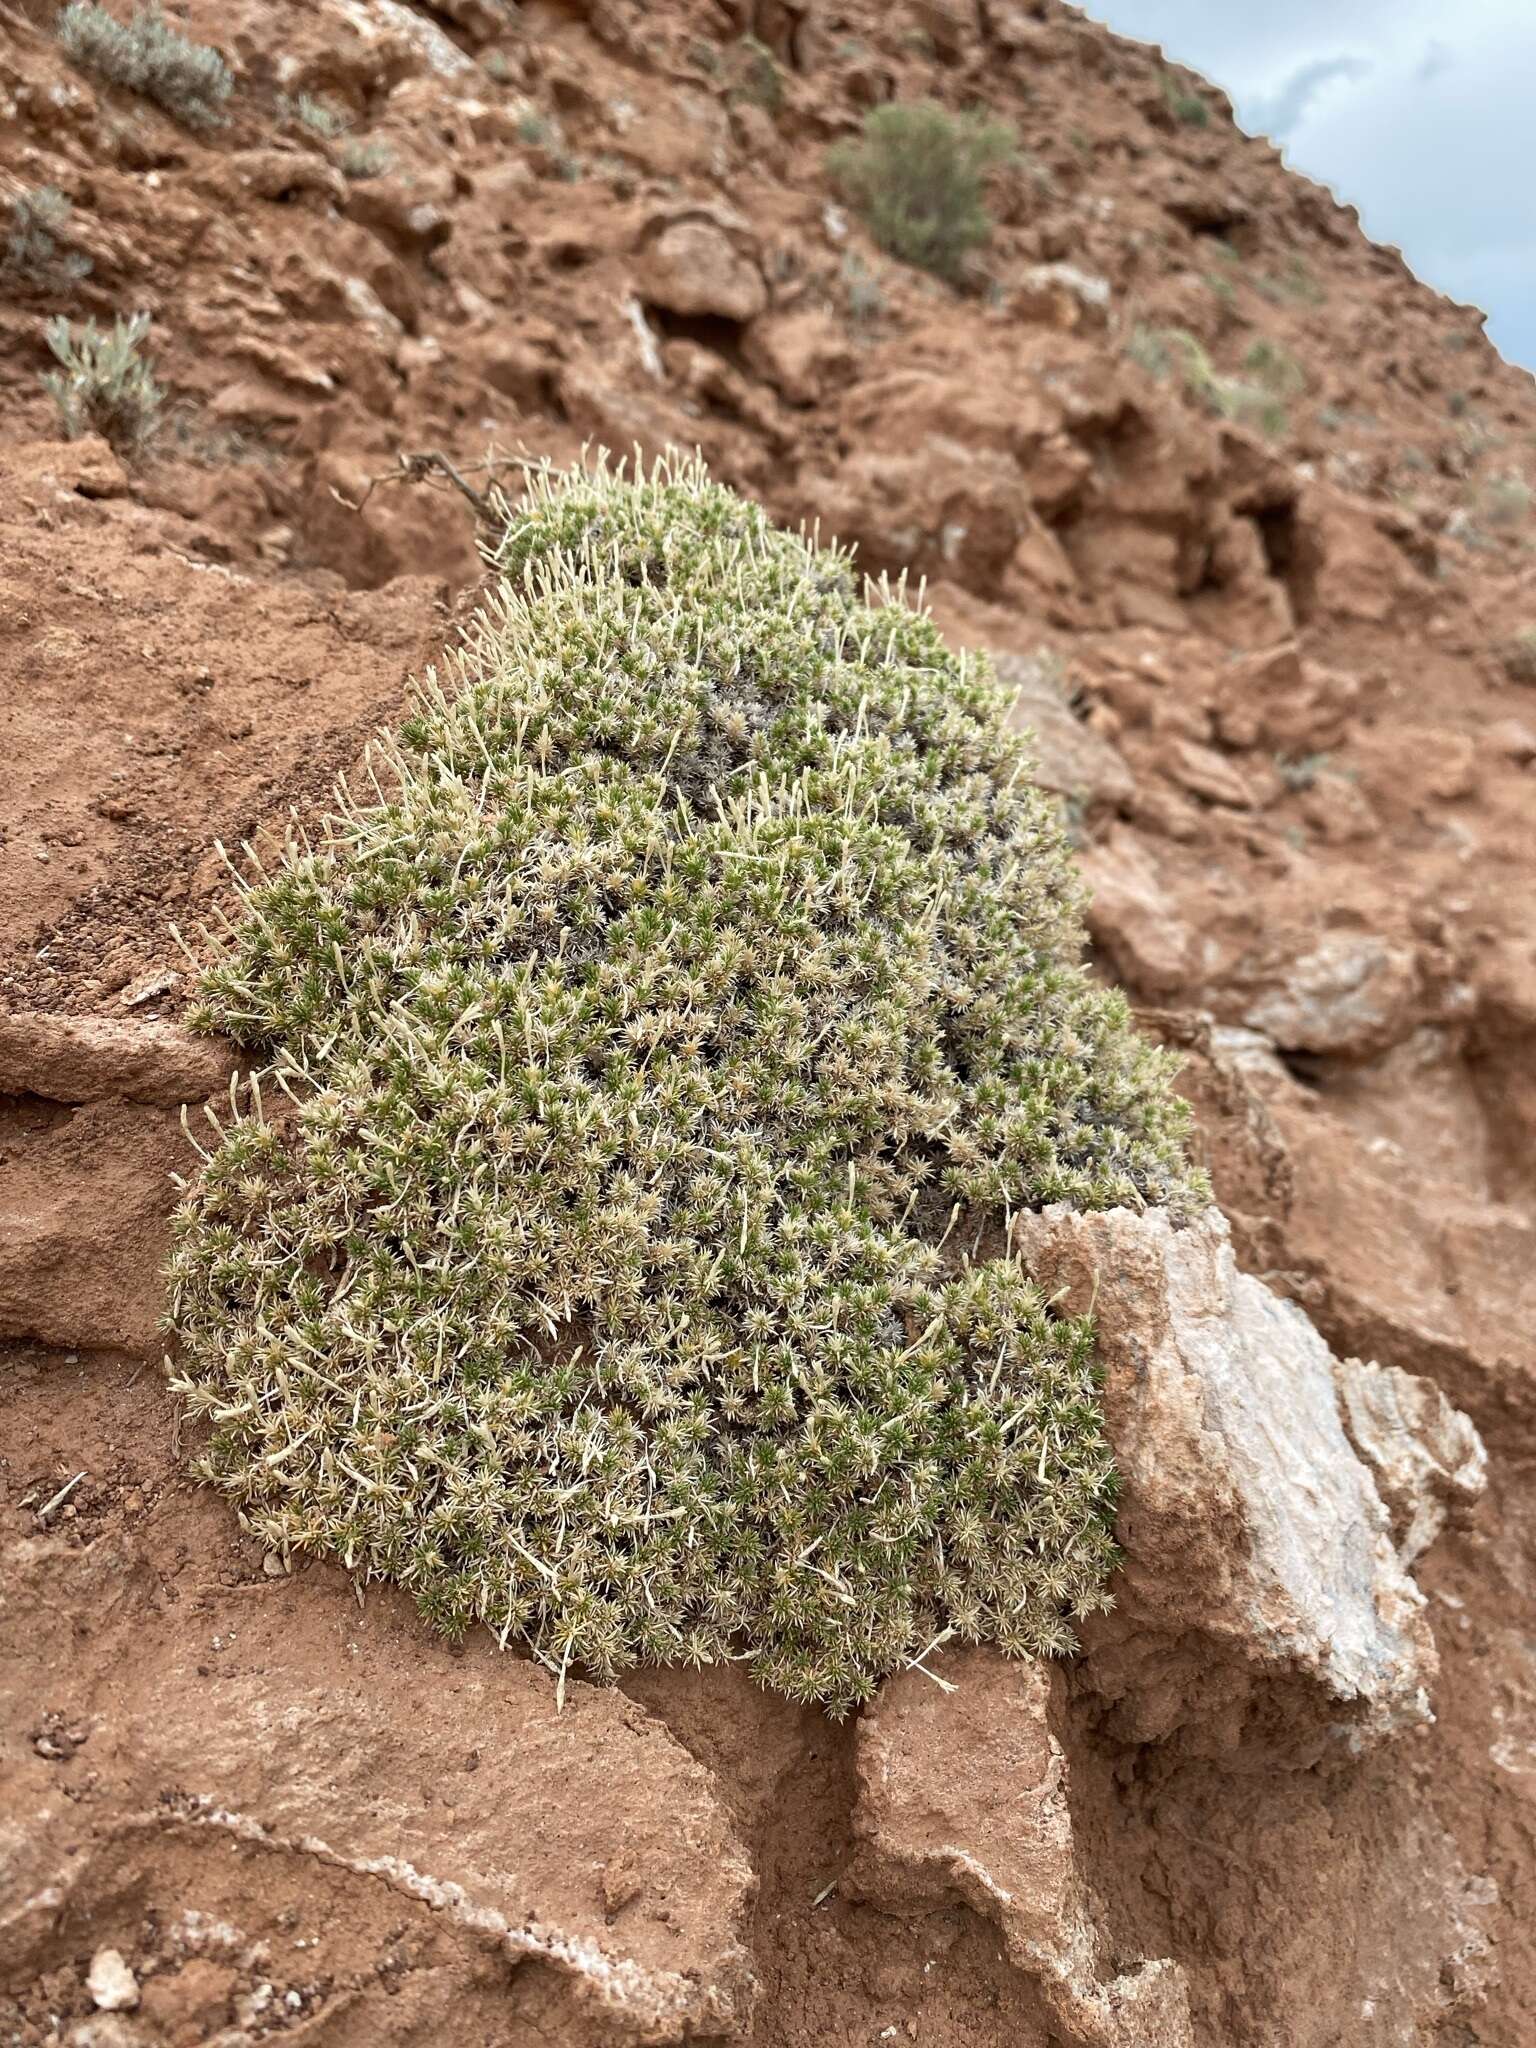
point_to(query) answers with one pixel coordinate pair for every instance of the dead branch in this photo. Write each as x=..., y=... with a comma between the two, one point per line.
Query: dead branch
x=431, y=467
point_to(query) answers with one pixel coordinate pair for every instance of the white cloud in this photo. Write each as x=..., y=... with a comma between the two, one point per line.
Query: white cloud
x=1428, y=137
x=1276, y=114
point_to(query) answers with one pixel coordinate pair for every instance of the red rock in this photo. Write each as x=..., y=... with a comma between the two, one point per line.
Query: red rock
x=963, y=1795
x=803, y=355
x=1132, y=916
x=1205, y=773
x=109, y=1059
x=693, y=267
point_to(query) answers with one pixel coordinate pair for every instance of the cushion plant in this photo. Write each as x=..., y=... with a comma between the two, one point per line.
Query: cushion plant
x=622, y=1261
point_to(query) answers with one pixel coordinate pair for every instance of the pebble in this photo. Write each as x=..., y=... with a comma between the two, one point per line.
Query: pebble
x=112, y=1985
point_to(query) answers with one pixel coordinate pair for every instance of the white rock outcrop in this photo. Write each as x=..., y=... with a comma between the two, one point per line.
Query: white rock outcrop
x=1264, y=1600
x=1427, y=1458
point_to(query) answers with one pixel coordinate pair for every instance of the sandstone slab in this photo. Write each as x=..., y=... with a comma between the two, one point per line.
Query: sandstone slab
x=1070, y=757
x=104, y=1059
x=963, y=1793
x=694, y=267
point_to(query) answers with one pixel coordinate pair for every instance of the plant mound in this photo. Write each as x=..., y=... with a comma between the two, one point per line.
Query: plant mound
x=917, y=175
x=668, y=1046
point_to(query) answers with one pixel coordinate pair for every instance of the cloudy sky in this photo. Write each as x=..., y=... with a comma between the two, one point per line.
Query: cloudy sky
x=1419, y=113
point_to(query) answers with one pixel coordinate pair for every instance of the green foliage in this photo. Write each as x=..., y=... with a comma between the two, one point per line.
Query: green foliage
x=670, y=1044
x=104, y=386
x=1184, y=103
x=1295, y=285
x=1505, y=501
x=189, y=80
x=31, y=253
x=1149, y=349
x=317, y=115
x=359, y=159
x=1274, y=370
x=756, y=77
x=1257, y=400
x=1517, y=656
x=917, y=176
x=1299, y=772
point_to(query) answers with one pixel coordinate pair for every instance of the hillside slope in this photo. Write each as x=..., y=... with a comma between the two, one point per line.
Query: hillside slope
x=1271, y=649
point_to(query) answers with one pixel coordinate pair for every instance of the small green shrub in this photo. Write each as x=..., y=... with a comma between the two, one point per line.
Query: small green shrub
x=1517, y=656
x=104, y=386
x=1505, y=501
x=1185, y=104
x=31, y=253
x=669, y=1047
x=756, y=77
x=1474, y=438
x=359, y=159
x=1295, y=285
x=1275, y=370
x=917, y=176
x=189, y=80
x=1256, y=401
x=1148, y=348
x=318, y=116
x=1299, y=772
x=532, y=127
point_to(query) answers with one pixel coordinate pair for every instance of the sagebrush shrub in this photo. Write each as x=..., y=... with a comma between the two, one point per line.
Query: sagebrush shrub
x=1184, y=103
x=1505, y=500
x=146, y=55
x=104, y=386
x=917, y=176
x=756, y=77
x=363, y=159
x=32, y=253
x=316, y=115
x=669, y=1045
x=1256, y=400
x=1274, y=369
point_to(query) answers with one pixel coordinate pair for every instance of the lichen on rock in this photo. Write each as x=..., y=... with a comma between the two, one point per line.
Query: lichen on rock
x=668, y=1045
